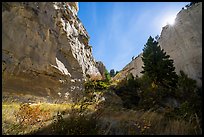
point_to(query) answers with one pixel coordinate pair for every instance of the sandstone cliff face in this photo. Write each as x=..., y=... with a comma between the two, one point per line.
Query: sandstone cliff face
x=45, y=49
x=182, y=41
x=101, y=67
x=134, y=67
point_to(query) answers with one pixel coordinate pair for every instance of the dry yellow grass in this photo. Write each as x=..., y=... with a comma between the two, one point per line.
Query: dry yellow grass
x=147, y=122
x=10, y=125
x=128, y=121
x=8, y=111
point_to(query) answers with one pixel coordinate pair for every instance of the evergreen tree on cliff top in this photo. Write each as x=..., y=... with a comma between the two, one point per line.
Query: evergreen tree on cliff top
x=157, y=65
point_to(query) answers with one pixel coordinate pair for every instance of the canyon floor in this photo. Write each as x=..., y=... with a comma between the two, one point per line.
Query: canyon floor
x=95, y=117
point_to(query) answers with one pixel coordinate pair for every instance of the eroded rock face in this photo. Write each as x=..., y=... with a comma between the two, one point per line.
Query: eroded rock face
x=101, y=67
x=134, y=67
x=182, y=41
x=45, y=49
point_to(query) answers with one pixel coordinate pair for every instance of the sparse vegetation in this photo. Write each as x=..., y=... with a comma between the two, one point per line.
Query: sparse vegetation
x=77, y=123
x=96, y=85
x=28, y=115
x=140, y=118
x=85, y=117
x=128, y=90
x=107, y=76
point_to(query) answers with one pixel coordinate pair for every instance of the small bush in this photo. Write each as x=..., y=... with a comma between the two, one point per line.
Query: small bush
x=96, y=85
x=128, y=90
x=107, y=76
x=28, y=115
x=79, y=120
x=75, y=125
x=189, y=97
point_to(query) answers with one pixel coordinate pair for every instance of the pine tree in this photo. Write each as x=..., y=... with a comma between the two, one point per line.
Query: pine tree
x=107, y=76
x=157, y=65
x=112, y=72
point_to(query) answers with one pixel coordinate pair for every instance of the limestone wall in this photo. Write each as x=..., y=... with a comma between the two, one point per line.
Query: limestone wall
x=183, y=41
x=45, y=49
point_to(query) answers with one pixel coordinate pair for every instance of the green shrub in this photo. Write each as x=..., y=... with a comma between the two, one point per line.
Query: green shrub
x=190, y=100
x=186, y=87
x=96, y=85
x=107, y=76
x=189, y=95
x=127, y=90
x=150, y=95
x=147, y=100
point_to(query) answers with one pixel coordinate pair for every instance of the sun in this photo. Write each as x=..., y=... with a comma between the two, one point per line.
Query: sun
x=169, y=20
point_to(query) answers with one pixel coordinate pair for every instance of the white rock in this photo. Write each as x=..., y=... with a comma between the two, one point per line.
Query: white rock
x=60, y=66
x=62, y=81
x=60, y=94
x=72, y=80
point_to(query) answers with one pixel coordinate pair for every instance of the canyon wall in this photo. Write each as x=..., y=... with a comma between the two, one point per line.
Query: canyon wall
x=101, y=67
x=45, y=50
x=134, y=67
x=182, y=41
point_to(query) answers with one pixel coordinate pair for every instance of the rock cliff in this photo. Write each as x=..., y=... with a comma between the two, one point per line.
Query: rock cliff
x=182, y=41
x=101, y=67
x=134, y=67
x=45, y=49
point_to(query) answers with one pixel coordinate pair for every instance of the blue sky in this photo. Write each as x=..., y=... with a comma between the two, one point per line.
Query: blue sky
x=119, y=30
